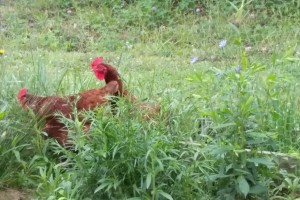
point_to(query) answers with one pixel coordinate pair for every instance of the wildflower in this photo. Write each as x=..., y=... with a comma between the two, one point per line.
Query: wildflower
x=162, y=27
x=3, y=135
x=194, y=59
x=2, y=51
x=248, y=48
x=128, y=45
x=223, y=43
x=154, y=8
x=69, y=11
x=219, y=75
x=252, y=15
x=238, y=68
x=264, y=49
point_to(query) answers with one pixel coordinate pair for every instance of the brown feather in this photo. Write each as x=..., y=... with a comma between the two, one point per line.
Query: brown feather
x=148, y=110
x=113, y=75
x=46, y=107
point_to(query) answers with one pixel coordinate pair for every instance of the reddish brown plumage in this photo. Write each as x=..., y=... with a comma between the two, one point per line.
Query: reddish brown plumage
x=46, y=107
x=111, y=74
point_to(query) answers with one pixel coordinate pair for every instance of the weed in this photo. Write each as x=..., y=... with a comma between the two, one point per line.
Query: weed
x=231, y=65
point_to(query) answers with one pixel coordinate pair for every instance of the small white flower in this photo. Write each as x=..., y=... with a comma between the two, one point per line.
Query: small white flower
x=3, y=134
x=154, y=8
x=69, y=11
x=223, y=43
x=252, y=15
x=128, y=45
x=264, y=49
x=248, y=48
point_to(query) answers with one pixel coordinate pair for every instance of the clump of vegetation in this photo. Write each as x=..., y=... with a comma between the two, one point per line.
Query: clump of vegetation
x=224, y=72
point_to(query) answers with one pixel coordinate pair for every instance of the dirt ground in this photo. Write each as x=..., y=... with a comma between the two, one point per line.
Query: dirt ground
x=12, y=194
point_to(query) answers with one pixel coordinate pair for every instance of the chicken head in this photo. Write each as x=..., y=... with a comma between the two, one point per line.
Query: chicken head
x=21, y=95
x=99, y=70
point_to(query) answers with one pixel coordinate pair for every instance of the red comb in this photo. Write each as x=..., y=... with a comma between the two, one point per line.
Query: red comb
x=96, y=62
x=22, y=93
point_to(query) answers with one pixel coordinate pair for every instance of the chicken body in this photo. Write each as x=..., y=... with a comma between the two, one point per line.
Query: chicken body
x=47, y=106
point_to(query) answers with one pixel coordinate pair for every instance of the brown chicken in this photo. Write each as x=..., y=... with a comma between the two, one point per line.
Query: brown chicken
x=109, y=73
x=46, y=107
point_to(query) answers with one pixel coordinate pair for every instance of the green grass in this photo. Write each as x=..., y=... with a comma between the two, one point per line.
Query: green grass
x=48, y=48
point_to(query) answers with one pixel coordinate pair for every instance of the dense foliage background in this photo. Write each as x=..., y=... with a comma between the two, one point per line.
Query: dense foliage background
x=224, y=72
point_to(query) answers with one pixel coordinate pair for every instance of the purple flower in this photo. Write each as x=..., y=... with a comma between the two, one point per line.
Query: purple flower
x=222, y=43
x=194, y=59
x=238, y=68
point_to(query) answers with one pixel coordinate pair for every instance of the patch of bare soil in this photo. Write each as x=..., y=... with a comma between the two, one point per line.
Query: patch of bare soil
x=12, y=194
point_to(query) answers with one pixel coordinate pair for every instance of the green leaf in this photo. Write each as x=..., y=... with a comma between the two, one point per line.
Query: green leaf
x=17, y=154
x=116, y=184
x=2, y=114
x=244, y=61
x=224, y=125
x=228, y=167
x=161, y=166
x=272, y=78
x=243, y=185
x=258, y=68
x=293, y=59
x=115, y=151
x=102, y=186
x=196, y=96
x=206, y=113
x=290, y=51
x=61, y=192
x=218, y=176
x=246, y=106
x=234, y=6
x=166, y=195
x=264, y=161
x=274, y=59
x=148, y=180
x=197, y=77
x=236, y=41
x=258, y=189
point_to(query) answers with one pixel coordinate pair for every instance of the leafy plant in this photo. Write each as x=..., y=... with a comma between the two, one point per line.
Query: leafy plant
x=242, y=87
